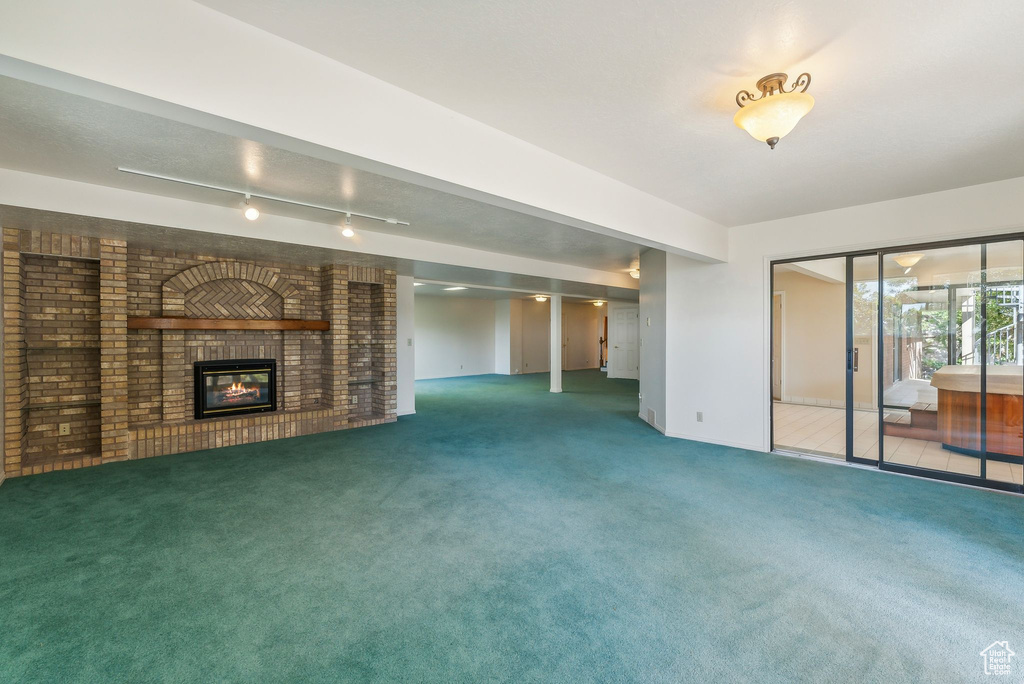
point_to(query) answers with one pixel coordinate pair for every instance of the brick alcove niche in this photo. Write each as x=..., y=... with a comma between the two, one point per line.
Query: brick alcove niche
x=70, y=359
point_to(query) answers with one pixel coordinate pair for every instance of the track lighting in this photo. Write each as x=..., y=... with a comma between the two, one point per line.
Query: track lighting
x=347, y=230
x=251, y=212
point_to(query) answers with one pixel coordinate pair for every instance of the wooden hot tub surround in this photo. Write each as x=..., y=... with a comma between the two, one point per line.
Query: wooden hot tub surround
x=959, y=408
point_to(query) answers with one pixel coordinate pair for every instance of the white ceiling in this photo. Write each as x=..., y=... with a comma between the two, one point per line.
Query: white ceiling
x=913, y=96
x=54, y=133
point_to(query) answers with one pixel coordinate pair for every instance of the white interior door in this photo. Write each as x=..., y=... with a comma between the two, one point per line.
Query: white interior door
x=624, y=352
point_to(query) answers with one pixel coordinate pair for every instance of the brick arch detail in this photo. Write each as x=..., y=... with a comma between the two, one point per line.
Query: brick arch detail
x=177, y=288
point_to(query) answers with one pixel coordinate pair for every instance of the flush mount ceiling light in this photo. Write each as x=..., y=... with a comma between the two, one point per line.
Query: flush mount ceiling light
x=540, y=298
x=347, y=230
x=908, y=260
x=635, y=273
x=599, y=303
x=251, y=212
x=776, y=111
x=457, y=287
x=416, y=284
x=272, y=198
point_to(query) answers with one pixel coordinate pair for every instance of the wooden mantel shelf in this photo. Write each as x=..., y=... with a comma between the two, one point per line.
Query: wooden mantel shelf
x=182, y=323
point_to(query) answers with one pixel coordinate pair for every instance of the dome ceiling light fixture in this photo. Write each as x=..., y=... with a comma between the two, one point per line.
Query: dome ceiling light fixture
x=776, y=111
x=635, y=274
x=907, y=261
x=540, y=298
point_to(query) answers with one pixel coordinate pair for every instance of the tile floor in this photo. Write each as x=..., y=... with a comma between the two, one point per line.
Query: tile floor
x=821, y=430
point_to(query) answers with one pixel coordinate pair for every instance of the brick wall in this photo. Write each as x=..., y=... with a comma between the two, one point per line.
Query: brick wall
x=69, y=358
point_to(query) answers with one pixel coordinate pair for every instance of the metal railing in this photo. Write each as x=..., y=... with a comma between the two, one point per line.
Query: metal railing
x=1002, y=345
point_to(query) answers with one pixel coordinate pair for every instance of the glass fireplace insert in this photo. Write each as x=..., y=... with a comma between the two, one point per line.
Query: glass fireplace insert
x=231, y=388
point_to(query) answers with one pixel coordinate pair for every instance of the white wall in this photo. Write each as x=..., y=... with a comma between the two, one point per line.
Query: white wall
x=454, y=336
x=508, y=336
x=652, y=337
x=406, y=342
x=515, y=346
x=718, y=314
x=503, y=336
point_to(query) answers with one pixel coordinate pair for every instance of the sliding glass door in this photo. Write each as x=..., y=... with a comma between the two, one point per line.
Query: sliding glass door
x=910, y=360
x=1003, y=280
x=932, y=331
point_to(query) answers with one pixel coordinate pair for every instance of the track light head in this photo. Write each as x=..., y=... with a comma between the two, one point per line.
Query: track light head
x=251, y=212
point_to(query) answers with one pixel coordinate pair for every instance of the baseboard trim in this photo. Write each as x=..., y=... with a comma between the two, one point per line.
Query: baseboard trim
x=720, y=442
x=407, y=413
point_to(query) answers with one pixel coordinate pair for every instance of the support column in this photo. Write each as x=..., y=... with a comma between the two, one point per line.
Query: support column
x=14, y=361
x=114, y=350
x=556, y=343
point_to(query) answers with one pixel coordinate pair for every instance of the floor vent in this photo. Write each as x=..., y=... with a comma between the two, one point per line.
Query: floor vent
x=652, y=416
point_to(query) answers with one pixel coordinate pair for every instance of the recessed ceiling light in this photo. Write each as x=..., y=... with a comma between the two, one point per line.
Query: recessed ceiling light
x=457, y=287
x=540, y=298
x=776, y=111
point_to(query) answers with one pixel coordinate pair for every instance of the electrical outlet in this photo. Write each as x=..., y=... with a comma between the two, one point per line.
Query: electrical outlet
x=64, y=429
x=700, y=416
x=408, y=342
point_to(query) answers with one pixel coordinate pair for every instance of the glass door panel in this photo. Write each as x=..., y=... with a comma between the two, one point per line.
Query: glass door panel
x=809, y=357
x=863, y=359
x=1004, y=361
x=930, y=358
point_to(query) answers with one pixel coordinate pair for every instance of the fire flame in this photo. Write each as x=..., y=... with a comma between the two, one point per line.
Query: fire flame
x=239, y=391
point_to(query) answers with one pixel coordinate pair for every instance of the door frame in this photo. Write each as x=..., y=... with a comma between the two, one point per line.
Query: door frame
x=880, y=253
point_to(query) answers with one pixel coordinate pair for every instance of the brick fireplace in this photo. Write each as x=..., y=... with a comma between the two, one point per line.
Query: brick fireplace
x=84, y=385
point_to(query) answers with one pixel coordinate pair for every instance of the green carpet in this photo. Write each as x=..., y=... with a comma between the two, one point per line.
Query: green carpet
x=503, y=533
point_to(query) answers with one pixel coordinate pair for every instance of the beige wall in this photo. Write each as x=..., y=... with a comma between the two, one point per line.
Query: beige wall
x=536, y=336
x=584, y=325
x=814, y=339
